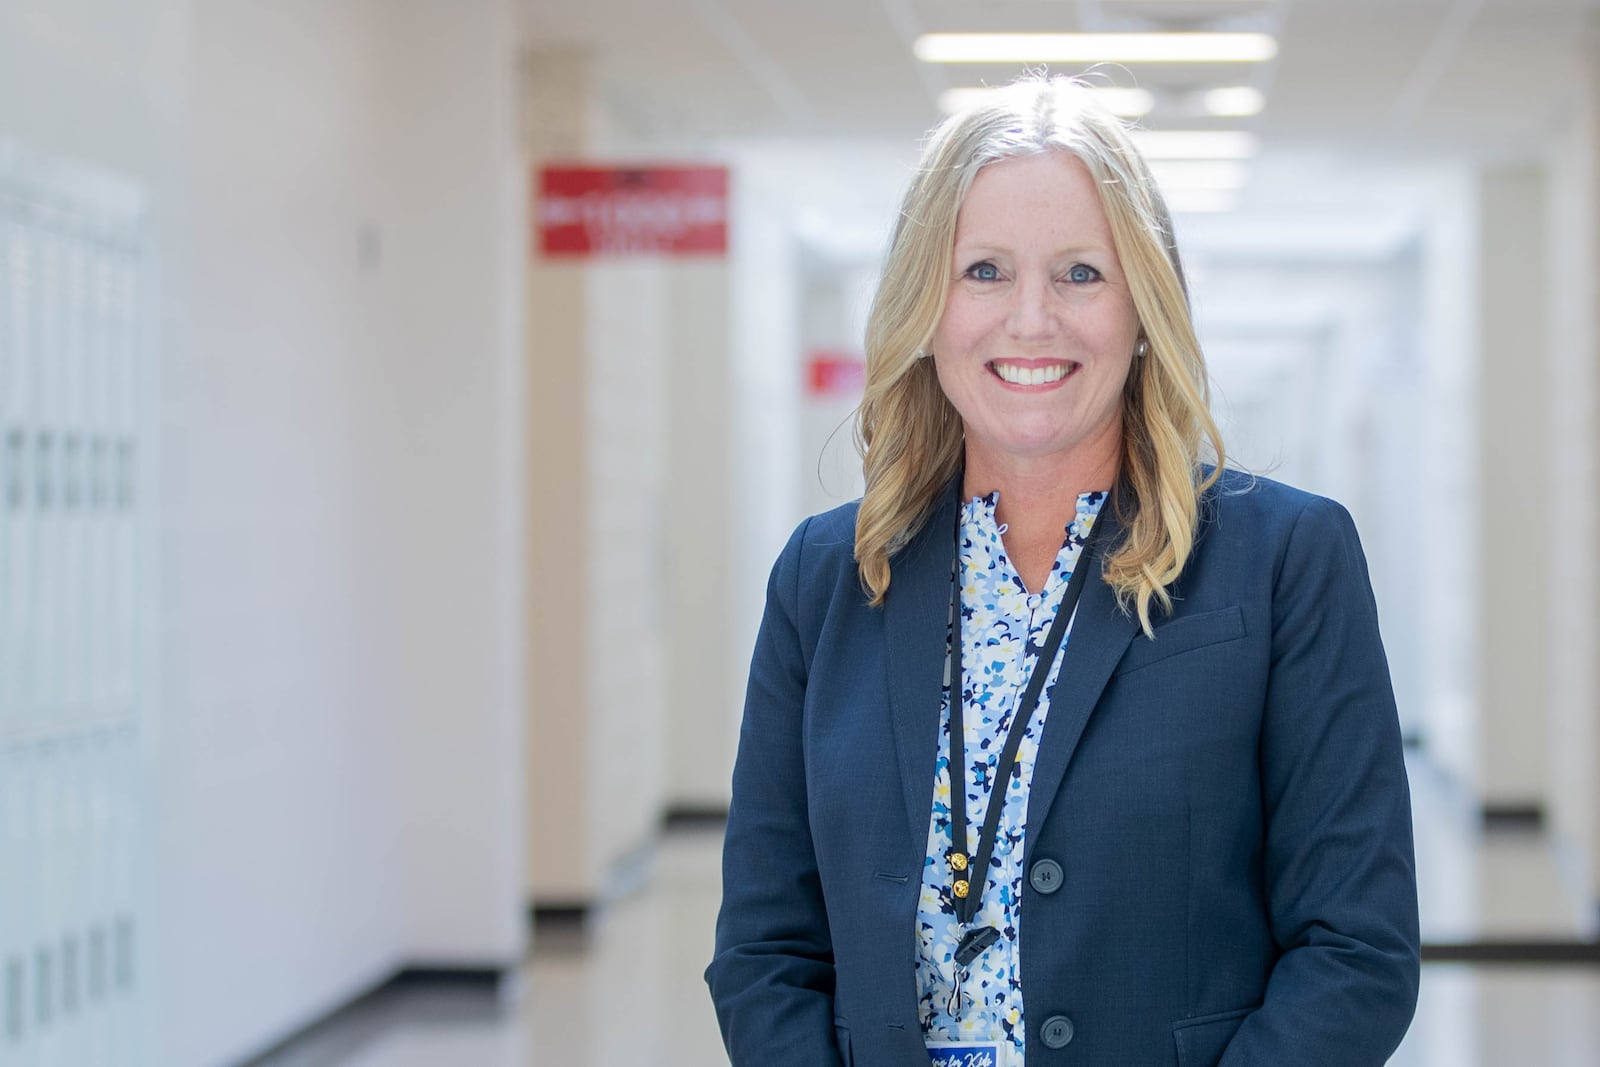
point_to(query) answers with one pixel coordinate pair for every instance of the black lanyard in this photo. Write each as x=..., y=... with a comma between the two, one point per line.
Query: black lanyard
x=969, y=871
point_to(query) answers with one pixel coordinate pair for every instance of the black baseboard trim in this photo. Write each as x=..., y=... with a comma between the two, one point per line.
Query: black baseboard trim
x=1509, y=951
x=562, y=929
x=695, y=817
x=1514, y=818
x=484, y=980
x=564, y=914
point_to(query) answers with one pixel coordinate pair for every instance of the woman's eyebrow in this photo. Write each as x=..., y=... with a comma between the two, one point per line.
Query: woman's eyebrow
x=986, y=248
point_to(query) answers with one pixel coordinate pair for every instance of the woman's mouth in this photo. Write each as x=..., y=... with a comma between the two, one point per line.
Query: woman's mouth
x=1035, y=374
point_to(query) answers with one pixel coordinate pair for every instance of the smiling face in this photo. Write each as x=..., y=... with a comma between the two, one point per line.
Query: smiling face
x=1039, y=328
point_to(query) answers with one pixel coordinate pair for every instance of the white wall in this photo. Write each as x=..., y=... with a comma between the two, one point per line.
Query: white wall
x=683, y=526
x=452, y=213
x=1570, y=519
x=337, y=746
x=690, y=448
x=836, y=301
x=631, y=578
x=702, y=535
x=624, y=619
x=625, y=356
x=1448, y=391
x=342, y=791
x=835, y=201
x=555, y=105
x=1513, y=481
x=766, y=373
x=1315, y=385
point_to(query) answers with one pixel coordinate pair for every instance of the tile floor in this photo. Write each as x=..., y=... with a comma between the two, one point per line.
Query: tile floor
x=640, y=960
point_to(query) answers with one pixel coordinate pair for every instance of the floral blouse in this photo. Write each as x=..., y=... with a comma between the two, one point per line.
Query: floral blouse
x=1003, y=629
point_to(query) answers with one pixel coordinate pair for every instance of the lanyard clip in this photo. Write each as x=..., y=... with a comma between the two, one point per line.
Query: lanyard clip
x=973, y=943
x=954, y=1006
x=971, y=946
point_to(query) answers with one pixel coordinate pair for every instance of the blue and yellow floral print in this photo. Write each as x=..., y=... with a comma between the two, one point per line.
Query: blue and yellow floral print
x=1003, y=629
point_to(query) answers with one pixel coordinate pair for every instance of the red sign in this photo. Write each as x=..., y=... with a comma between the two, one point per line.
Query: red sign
x=588, y=211
x=832, y=373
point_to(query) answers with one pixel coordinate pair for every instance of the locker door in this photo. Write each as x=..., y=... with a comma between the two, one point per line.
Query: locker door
x=76, y=606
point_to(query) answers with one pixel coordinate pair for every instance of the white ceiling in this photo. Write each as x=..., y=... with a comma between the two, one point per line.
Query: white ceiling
x=1404, y=77
x=1363, y=97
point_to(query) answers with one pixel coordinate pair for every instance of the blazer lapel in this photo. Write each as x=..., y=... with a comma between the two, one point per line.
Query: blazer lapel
x=1100, y=635
x=916, y=613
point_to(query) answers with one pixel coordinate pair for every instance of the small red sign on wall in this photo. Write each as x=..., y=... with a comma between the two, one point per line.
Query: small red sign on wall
x=834, y=373
x=590, y=211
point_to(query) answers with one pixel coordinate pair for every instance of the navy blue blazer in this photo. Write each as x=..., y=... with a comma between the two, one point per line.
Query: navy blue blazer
x=1227, y=802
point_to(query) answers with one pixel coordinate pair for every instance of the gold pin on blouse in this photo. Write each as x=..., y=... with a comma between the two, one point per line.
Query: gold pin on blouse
x=958, y=861
x=961, y=888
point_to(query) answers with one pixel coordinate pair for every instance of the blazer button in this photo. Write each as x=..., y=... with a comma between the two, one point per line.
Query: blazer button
x=1045, y=876
x=1056, y=1031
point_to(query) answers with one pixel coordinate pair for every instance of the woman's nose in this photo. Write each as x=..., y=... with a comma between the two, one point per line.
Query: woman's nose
x=1032, y=314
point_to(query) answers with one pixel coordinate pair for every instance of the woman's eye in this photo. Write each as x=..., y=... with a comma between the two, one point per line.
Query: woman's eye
x=984, y=272
x=1082, y=273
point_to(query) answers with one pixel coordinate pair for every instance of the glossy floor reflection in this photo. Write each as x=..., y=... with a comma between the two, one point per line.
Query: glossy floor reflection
x=626, y=990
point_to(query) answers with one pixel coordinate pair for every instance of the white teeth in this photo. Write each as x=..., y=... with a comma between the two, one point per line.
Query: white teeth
x=1031, y=375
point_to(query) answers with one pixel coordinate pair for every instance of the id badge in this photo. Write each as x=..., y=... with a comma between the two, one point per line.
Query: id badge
x=968, y=1053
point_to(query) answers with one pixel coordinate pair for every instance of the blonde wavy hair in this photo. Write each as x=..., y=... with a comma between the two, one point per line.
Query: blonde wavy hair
x=908, y=433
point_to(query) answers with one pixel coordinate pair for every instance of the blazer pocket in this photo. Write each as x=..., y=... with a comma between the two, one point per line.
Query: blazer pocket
x=1182, y=635
x=841, y=1037
x=1203, y=1040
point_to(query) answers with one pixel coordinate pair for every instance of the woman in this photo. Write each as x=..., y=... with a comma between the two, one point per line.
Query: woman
x=1201, y=852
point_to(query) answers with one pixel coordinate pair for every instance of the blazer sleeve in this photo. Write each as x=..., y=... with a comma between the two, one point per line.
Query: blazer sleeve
x=772, y=976
x=1339, y=865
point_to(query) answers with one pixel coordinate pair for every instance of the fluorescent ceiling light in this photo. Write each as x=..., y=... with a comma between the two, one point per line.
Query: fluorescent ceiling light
x=1195, y=144
x=1190, y=174
x=1235, y=101
x=1095, y=47
x=1197, y=201
x=1128, y=103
